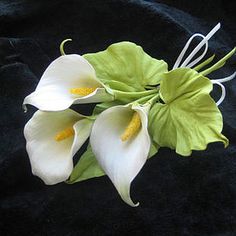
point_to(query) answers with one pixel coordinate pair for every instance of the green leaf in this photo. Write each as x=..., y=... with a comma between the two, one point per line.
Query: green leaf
x=189, y=118
x=153, y=150
x=125, y=66
x=86, y=168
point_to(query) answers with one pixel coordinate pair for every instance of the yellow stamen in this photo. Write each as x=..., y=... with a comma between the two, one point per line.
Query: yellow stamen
x=132, y=128
x=64, y=134
x=82, y=91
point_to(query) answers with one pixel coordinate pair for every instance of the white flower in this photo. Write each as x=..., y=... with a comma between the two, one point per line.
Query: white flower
x=67, y=80
x=52, y=139
x=121, y=143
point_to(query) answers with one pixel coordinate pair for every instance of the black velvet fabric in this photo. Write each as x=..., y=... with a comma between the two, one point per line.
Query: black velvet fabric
x=186, y=196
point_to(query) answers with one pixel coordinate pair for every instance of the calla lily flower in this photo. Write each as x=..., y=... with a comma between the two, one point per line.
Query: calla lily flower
x=52, y=139
x=69, y=79
x=121, y=143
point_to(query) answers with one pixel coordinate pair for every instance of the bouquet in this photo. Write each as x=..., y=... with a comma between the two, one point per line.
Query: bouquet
x=141, y=106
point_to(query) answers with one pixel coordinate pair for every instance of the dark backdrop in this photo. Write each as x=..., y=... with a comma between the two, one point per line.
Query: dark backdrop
x=186, y=196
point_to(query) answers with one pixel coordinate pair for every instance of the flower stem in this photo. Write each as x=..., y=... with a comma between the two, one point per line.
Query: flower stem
x=144, y=99
x=120, y=95
x=219, y=64
x=206, y=62
x=153, y=99
x=127, y=96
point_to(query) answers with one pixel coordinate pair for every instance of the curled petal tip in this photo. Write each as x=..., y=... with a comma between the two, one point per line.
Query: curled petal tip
x=24, y=107
x=135, y=205
x=62, y=46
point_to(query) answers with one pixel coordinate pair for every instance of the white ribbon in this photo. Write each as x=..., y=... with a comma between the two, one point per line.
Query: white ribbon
x=226, y=79
x=187, y=62
x=204, y=41
x=223, y=92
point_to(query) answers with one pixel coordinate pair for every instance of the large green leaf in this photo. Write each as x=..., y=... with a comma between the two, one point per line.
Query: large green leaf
x=188, y=119
x=86, y=168
x=125, y=66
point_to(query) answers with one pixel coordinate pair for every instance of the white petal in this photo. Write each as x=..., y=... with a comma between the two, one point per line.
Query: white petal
x=51, y=160
x=82, y=131
x=66, y=72
x=121, y=161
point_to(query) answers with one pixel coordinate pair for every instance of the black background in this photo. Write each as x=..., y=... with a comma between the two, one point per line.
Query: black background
x=186, y=196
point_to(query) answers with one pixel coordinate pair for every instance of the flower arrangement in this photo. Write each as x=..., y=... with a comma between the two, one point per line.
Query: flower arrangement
x=141, y=106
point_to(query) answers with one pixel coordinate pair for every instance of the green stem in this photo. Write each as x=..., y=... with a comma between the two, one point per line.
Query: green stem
x=219, y=64
x=144, y=99
x=92, y=117
x=62, y=46
x=122, y=95
x=206, y=62
x=154, y=99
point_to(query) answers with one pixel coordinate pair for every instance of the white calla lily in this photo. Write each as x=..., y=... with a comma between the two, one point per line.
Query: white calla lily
x=52, y=139
x=121, y=143
x=69, y=79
